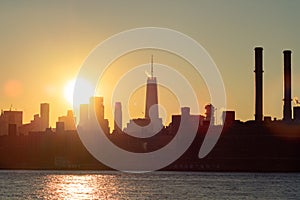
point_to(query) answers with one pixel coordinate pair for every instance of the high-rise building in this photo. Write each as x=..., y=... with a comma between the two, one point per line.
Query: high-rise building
x=44, y=112
x=151, y=108
x=10, y=120
x=96, y=108
x=84, y=114
x=151, y=123
x=96, y=112
x=118, y=117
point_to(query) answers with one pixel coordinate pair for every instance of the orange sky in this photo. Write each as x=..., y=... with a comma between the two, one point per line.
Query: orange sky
x=43, y=45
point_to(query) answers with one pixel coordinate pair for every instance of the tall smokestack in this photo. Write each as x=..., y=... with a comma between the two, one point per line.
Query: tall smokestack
x=287, y=107
x=258, y=84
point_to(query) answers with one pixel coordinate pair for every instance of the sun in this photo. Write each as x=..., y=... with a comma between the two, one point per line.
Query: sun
x=68, y=91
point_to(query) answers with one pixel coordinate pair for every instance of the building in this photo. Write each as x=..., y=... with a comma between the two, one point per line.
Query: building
x=96, y=114
x=118, y=117
x=96, y=108
x=33, y=126
x=84, y=114
x=210, y=114
x=195, y=120
x=60, y=127
x=68, y=120
x=151, y=123
x=228, y=117
x=39, y=123
x=44, y=112
x=151, y=108
x=297, y=113
x=10, y=120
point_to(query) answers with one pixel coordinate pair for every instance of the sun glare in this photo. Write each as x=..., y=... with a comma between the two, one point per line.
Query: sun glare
x=68, y=91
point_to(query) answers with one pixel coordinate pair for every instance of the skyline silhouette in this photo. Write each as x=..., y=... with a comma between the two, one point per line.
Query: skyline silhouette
x=42, y=59
x=264, y=144
x=151, y=97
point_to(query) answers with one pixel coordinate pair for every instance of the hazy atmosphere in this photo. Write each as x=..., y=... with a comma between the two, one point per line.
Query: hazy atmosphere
x=43, y=44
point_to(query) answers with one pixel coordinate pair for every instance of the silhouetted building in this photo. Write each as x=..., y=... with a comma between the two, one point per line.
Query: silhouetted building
x=267, y=119
x=228, y=117
x=258, y=84
x=189, y=120
x=12, y=129
x=60, y=127
x=287, y=107
x=151, y=109
x=151, y=123
x=34, y=125
x=84, y=114
x=10, y=117
x=96, y=111
x=68, y=120
x=44, y=111
x=210, y=114
x=96, y=108
x=39, y=123
x=297, y=113
x=118, y=117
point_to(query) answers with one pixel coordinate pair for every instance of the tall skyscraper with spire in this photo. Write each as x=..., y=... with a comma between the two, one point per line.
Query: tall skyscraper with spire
x=151, y=96
x=151, y=123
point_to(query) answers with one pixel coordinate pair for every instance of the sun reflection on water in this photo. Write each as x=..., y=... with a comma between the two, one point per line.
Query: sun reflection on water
x=157, y=185
x=82, y=186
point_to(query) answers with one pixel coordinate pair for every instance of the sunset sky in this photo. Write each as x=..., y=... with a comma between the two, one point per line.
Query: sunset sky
x=44, y=43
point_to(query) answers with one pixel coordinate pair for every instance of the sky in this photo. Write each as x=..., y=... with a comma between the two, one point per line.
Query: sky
x=44, y=43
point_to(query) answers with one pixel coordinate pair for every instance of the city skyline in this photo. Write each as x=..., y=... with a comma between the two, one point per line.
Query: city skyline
x=44, y=44
x=161, y=99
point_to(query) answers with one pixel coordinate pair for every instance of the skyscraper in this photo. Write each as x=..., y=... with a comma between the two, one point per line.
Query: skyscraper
x=84, y=113
x=96, y=107
x=10, y=119
x=151, y=108
x=44, y=112
x=151, y=123
x=96, y=112
x=118, y=117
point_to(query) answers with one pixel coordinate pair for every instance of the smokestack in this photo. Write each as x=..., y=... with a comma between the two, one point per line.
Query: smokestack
x=287, y=107
x=258, y=84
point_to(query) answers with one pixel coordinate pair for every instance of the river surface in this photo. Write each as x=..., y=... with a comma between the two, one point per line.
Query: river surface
x=155, y=185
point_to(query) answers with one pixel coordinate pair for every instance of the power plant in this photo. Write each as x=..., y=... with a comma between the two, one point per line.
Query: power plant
x=287, y=105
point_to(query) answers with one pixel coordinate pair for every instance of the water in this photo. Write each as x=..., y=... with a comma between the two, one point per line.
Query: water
x=156, y=185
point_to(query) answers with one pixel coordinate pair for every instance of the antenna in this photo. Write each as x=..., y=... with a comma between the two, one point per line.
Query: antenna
x=151, y=66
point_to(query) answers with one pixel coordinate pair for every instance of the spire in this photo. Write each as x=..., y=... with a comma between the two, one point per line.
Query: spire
x=151, y=66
